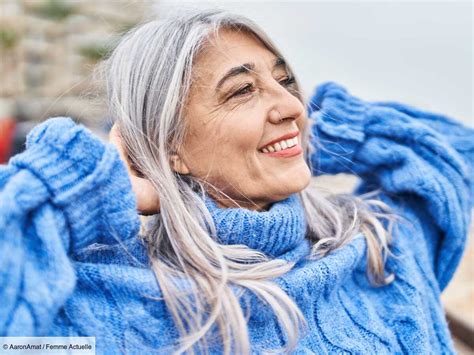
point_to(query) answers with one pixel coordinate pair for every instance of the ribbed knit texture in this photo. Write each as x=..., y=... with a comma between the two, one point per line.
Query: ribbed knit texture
x=71, y=263
x=278, y=232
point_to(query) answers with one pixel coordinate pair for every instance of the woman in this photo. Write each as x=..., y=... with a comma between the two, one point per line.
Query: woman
x=239, y=253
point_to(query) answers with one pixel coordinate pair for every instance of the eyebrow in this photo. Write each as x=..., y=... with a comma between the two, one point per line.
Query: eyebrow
x=245, y=69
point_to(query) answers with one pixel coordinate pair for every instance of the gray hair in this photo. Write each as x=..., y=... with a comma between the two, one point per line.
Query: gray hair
x=148, y=78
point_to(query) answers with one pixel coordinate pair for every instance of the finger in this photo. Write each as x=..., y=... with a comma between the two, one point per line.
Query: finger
x=146, y=195
x=116, y=139
x=148, y=201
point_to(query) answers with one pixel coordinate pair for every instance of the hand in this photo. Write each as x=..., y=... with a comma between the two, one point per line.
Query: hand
x=148, y=201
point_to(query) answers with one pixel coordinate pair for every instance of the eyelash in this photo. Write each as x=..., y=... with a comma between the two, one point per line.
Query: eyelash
x=285, y=82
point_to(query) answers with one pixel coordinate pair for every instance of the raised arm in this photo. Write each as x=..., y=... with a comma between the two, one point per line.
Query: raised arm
x=67, y=190
x=424, y=160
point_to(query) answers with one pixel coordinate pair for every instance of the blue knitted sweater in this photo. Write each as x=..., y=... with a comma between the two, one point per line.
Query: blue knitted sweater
x=68, y=191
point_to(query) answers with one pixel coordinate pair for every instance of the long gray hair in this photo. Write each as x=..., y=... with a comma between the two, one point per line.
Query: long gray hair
x=148, y=79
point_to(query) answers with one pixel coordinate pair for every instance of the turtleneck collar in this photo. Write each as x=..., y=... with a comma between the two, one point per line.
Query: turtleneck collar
x=278, y=233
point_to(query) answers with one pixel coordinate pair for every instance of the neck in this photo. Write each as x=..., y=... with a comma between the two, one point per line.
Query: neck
x=226, y=202
x=249, y=205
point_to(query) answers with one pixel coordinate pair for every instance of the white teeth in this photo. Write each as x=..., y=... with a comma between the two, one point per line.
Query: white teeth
x=284, y=144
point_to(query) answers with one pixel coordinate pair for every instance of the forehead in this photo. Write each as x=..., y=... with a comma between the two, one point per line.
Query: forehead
x=231, y=48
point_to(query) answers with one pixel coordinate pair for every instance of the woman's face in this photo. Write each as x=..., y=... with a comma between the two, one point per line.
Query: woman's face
x=240, y=102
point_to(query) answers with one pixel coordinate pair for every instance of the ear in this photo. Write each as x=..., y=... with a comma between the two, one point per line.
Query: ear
x=178, y=165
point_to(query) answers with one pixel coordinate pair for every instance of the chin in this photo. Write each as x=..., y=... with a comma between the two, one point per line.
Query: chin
x=303, y=180
x=291, y=189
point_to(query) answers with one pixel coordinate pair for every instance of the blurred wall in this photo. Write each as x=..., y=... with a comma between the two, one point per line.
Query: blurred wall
x=49, y=49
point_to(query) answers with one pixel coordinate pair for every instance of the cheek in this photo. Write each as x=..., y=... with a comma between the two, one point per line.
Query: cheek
x=240, y=132
x=239, y=154
x=225, y=148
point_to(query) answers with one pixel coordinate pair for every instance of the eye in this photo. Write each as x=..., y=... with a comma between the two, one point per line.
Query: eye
x=287, y=81
x=243, y=91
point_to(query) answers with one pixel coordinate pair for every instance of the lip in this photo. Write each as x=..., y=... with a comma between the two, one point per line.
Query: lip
x=286, y=153
x=286, y=136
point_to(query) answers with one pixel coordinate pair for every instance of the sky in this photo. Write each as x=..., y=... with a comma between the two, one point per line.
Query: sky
x=414, y=52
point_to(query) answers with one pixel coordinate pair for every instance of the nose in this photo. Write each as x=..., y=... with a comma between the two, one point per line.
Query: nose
x=284, y=105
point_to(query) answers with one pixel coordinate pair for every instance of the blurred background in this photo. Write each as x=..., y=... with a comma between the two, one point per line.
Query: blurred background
x=415, y=52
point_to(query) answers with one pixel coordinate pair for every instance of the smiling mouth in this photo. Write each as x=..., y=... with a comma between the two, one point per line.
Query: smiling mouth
x=284, y=148
x=281, y=145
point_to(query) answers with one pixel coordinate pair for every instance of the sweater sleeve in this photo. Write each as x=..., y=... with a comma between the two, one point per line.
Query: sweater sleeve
x=424, y=160
x=67, y=190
